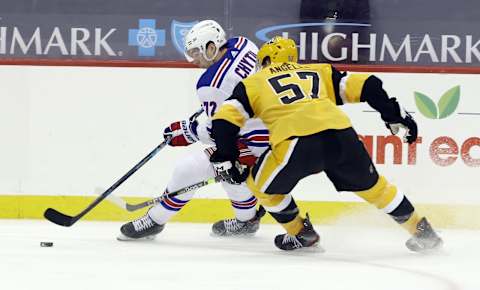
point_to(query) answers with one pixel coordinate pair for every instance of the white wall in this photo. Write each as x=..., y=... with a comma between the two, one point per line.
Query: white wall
x=68, y=130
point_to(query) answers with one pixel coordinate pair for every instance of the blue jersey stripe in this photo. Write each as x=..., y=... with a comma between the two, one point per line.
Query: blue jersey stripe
x=258, y=144
x=255, y=132
x=230, y=64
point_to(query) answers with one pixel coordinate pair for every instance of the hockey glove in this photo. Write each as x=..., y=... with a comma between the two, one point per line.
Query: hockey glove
x=231, y=171
x=181, y=133
x=406, y=122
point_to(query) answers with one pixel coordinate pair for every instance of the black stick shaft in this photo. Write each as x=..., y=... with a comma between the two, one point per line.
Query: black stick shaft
x=65, y=220
x=122, y=179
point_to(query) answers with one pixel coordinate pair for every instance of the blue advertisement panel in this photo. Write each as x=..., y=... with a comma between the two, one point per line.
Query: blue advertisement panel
x=340, y=31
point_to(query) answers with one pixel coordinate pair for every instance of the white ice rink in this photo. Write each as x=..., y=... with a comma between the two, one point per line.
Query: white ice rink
x=184, y=256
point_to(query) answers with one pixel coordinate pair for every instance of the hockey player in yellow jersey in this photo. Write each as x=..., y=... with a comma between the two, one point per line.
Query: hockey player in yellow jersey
x=310, y=134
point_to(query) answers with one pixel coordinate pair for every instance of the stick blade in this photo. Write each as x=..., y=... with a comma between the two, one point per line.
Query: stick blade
x=135, y=207
x=58, y=218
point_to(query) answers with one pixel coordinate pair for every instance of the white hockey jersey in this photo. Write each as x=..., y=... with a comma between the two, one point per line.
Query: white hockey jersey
x=217, y=83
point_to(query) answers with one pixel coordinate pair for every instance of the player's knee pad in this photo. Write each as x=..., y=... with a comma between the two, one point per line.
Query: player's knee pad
x=383, y=195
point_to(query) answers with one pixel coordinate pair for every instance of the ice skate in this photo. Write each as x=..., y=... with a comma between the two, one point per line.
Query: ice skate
x=306, y=238
x=234, y=227
x=424, y=239
x=143, y=228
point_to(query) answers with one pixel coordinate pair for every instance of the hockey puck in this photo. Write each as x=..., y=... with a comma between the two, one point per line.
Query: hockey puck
x=46, y=244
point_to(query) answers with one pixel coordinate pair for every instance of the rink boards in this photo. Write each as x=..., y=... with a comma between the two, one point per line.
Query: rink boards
x=212, y=210
x=68, y=131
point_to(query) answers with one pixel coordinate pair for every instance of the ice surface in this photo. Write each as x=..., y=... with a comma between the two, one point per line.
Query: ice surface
x=185, y=256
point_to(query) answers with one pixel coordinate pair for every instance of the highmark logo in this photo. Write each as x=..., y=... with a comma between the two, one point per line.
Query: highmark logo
x=268, y=32
x=342, y=41
x=178, y=32
x=445, y=107
x=146, y=37
x=319, y=35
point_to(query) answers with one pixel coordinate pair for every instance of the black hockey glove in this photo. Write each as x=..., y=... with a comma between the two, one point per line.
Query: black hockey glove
x=230, y=170
x=406, y=122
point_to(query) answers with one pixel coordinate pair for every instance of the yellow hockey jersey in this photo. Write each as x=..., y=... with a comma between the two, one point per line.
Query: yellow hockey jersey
x=292, y=100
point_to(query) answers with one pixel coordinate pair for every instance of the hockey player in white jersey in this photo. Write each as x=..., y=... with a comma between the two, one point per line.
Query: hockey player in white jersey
x=227, y=62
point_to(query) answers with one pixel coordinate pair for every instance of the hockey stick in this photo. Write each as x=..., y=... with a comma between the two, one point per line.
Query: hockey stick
x=62, y=219
x=120, y=202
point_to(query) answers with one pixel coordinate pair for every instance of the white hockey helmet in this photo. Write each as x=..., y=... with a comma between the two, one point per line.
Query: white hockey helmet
x=200, y=35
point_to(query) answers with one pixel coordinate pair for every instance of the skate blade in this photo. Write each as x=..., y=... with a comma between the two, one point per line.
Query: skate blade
x=438, y=248
x=315, y=248
x=416, y=247
x=236, y=236
x=123, y=238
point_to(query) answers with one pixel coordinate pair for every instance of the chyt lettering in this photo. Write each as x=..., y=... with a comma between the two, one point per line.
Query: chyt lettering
x=246, y=64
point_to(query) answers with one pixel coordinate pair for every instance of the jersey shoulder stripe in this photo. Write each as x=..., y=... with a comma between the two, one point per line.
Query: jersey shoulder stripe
x=221, y=72
x=215, y=74
x=239, y=45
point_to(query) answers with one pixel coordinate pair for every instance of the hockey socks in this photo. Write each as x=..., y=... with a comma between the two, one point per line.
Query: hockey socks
x=245, y=209
x=164, y=211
